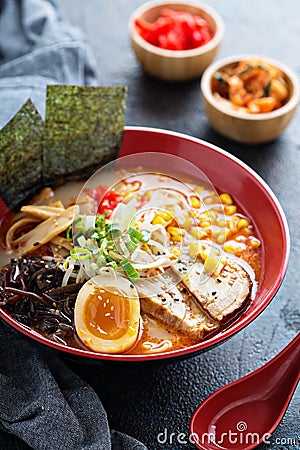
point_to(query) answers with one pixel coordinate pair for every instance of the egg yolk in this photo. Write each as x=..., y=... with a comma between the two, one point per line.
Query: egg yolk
x=106, y=314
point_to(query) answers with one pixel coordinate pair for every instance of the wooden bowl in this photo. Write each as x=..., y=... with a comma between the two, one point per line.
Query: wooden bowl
x=175, y=65
x=245, y=127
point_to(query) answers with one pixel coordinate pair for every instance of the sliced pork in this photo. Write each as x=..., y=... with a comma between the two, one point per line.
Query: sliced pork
x=221, y=295
x=173, y=305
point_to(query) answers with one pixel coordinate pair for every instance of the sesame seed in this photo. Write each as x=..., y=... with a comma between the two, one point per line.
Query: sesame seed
x=112, y=308
x=107, y=314
x=214, y=293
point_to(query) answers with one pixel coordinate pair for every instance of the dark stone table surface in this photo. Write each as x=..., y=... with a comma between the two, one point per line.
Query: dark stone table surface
x=151, y=401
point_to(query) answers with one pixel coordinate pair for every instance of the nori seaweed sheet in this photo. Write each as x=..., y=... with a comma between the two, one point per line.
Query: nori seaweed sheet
x=21, y=155
x=83, y=128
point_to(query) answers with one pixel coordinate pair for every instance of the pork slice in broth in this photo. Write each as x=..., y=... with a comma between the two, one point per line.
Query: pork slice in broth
x=172, y=305
x=221, y=295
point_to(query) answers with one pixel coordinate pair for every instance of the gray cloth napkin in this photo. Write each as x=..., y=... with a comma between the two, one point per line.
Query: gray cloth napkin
x=43, y=404
x=37, y=47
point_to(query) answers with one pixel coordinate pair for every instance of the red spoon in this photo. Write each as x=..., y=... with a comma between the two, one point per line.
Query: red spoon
x=244, y=413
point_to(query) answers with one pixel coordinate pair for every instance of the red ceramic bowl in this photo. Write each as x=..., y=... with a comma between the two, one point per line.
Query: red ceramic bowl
x=228, y=174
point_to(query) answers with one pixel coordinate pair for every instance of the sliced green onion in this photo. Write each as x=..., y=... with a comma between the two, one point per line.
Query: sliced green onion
x=93, y=266
x=81, y=241
x=115, y=256
x=246, y=70
x=267, y=89
x=112, y=264
x=80, y=254
x=130, y=271
x=114, y=229
x=101, y=261
x=100, y=220
x=69, y=232
x=219, y=77
x=130, y=244
x=76, y=236
x=90, y=232
x=262, y=67
x=121, y=247
x=79, y=219
x=103, y=245
x=93, y=248
x=141, y=236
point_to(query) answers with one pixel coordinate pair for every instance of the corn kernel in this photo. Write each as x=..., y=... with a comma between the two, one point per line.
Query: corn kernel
x=195, y=249
x=203, y=255
x=166, y=215
x=219, y=267
x=233, y=227
x=175, y=252
x=198, y=232
x=229, y=210
x=176, y=238
x=243, y=223
x=210, y=264
x=195, y=202
x=226, y=199
x=159, y=221
x=213, y=215
x=255, y=243
x=247, y=231
x=205, y=224
x=222, y=236
x=204, y=215
x=175, y=231
x=209, y=252
x=228, y=247
x=234, y=247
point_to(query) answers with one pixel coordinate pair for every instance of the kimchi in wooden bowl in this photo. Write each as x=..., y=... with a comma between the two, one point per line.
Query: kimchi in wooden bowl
x=248, y=98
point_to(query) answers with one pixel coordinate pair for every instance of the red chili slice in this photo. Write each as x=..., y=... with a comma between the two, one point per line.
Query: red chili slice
x=175, y=30
x=107, y=200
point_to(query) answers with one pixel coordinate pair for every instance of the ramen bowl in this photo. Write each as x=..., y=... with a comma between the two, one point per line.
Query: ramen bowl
x=227, y=174
x=235, y=123
x=175, y=65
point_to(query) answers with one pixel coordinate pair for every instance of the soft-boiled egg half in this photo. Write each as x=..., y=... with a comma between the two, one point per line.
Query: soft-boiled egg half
x=107, y=314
